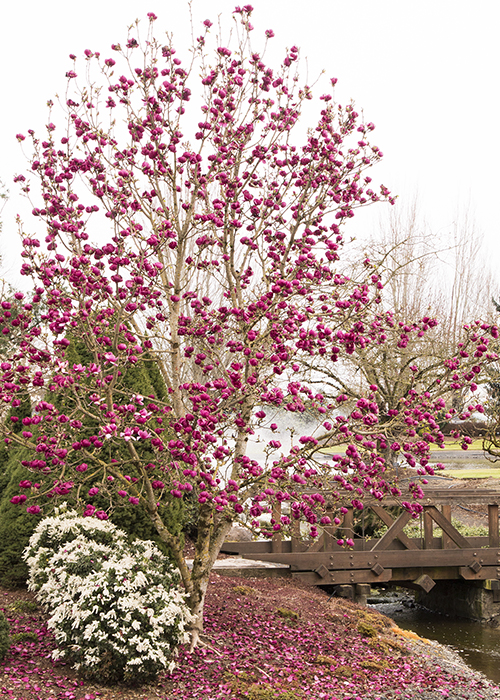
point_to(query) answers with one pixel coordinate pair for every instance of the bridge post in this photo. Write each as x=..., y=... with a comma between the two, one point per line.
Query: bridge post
x=473, y=600
x=295, y=546
x=329, y=532
x=358, y=592
x=446, y=539
x=428, y=529
x=346, y=528
x=362, y=591
x=276, y=543
x=346, y=591
x=493, y=525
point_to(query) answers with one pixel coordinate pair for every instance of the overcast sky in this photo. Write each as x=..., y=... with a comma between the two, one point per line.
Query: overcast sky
x=426, y=72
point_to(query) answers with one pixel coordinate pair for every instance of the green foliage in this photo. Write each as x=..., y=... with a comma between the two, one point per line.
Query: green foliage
x=23, y=410
x=138, y=526
x=143, y=377
x=16, y=525
x=4, y=636
x=15, y=420
x=155, y=377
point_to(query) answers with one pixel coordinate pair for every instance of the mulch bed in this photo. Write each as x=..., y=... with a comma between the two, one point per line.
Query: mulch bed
x=264, y=639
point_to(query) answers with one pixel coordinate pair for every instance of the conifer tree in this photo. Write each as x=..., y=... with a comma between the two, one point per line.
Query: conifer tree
x=16, y=525
x=140, y=378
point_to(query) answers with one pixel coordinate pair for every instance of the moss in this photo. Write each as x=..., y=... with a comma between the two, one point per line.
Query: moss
x=244, y=590
x=287, y=614
x=388, y=646
x=344, y=671
x=248, y=686
x=371, y=624
x=23, y=606
x=239, y=679
x=380, y=665
x=367, y=630
x=375, y=619
x=269, y=692
x=325, y=660
x=23, y=637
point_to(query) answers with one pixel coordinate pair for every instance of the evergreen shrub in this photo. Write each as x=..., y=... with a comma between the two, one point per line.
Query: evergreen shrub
x=4, y=636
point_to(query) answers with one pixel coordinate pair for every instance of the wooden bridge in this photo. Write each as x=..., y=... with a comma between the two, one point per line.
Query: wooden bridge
x=415, y=562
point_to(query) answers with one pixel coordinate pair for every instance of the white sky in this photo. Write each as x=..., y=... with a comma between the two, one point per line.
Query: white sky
x=426, y=72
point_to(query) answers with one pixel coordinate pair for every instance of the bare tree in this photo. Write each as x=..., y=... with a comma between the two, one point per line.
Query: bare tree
x=420, y=321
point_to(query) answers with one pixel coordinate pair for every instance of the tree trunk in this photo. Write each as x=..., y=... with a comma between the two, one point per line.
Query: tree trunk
x=209, y=542
x=208, y=545
x=392, y=463
x=196, y=605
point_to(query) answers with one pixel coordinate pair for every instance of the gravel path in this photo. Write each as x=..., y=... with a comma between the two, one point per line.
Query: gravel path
x=463, y=682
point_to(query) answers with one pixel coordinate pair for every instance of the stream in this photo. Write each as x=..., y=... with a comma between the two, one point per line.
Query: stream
x=477, y=644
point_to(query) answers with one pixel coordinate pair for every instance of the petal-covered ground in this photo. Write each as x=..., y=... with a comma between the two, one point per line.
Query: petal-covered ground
x=265, y=639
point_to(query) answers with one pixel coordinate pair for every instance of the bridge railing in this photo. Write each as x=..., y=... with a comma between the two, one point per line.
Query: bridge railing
x=437, y=512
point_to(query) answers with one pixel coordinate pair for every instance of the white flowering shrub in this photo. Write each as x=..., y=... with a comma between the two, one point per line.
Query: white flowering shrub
x=116, y=609
x=64, y=526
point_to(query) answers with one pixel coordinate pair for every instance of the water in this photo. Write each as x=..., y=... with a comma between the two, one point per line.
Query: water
x=477, y=644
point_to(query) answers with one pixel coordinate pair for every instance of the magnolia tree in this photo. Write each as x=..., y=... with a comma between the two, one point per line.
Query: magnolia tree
x=215, y=255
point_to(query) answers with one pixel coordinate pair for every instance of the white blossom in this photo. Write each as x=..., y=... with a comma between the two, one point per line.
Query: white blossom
x=106, y=595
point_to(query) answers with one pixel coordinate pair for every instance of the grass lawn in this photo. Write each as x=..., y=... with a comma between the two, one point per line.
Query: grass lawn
x=450, y=446
x=472, y=473
x=453, y=446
